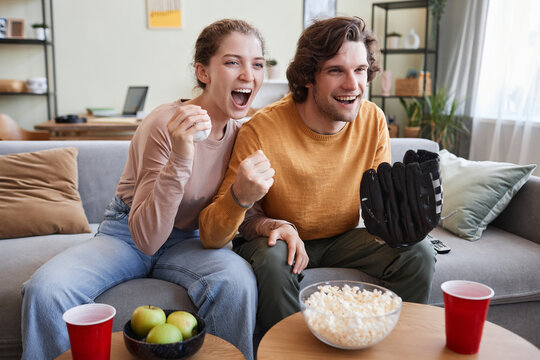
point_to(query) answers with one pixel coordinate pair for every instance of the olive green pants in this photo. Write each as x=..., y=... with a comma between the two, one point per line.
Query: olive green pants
x=406, y=271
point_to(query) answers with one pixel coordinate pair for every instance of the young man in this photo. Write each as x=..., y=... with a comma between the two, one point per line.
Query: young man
x=319, y=140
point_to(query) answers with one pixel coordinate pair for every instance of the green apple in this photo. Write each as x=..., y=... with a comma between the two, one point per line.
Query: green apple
x=164, y=334
x=145, y=318
x=185, y=322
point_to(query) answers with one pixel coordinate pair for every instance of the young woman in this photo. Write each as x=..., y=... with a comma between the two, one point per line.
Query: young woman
x=150, y=227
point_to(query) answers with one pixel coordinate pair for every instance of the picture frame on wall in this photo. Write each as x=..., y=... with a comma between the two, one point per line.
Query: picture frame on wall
x=15, y=28
x=318, y=10
x=3, y=28
x=164, y=14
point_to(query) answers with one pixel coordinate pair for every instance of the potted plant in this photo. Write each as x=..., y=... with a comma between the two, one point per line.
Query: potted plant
x=41, y=31
x=392, y=40
x=437, y=9
x=414, y=111
x=440, y=123
x=272, y=69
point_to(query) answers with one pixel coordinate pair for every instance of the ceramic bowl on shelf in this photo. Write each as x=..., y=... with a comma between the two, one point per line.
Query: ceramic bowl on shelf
x=37, y=85
x=349, y=315
x=138, y=347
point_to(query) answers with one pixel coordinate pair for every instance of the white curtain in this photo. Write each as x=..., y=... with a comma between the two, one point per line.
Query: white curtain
x=506, y=124
x=461, y=39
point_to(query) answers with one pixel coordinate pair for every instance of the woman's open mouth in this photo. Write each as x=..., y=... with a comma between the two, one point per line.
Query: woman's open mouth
x=241, y=96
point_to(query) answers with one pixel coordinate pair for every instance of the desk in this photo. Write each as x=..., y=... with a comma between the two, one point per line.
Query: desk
x=94, y=129
x=419, y=334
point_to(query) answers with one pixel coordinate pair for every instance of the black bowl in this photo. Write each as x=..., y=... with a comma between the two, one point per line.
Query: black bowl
x=178, y=350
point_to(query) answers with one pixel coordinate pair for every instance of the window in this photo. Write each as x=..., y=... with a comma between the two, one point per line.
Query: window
x=509, y=82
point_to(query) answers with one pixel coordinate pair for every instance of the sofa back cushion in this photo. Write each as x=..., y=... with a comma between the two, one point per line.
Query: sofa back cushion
x=101, y=164
x=522, y=215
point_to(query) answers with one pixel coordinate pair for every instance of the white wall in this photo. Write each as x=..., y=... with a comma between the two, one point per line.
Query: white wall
x=103, y=46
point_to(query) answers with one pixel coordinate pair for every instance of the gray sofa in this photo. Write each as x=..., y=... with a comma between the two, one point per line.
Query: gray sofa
x=507, y=257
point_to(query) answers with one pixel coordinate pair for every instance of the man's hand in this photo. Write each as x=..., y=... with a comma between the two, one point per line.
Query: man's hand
x=186, y=122
x=254, y=178
x=296, y=246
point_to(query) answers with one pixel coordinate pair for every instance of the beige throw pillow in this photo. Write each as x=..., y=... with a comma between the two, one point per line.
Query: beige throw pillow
x=39, y=195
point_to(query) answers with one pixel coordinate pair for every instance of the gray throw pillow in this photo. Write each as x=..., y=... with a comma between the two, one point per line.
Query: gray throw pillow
x=478, y=191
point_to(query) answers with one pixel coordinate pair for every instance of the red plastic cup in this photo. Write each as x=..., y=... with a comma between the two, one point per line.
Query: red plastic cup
x=90, y=328
x=466, y=305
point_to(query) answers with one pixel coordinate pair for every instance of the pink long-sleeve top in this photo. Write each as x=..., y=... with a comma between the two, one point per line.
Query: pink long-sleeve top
x=165, y=190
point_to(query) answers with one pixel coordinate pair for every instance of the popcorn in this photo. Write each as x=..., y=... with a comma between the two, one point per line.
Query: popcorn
x=350, y=317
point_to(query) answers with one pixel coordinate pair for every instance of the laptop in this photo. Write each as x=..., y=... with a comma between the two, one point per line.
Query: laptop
x=135, y=99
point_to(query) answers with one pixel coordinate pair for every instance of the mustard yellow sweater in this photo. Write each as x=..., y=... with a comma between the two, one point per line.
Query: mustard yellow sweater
x=317, y=181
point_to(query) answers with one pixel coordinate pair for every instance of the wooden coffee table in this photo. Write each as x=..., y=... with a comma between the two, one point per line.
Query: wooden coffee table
x=419, y=334
x=213, y=348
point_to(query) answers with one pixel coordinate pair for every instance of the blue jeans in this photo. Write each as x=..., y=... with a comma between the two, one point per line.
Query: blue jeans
x=219, y=282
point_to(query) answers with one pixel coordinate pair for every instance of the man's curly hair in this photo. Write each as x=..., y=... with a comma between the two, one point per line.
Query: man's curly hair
x=320, y=42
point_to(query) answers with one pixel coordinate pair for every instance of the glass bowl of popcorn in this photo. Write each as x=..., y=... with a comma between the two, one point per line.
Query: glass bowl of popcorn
x=349, y=315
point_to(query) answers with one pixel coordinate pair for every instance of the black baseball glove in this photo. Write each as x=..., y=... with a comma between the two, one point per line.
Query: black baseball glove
x=401, y=204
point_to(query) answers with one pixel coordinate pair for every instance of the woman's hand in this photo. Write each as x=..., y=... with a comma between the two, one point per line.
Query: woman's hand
x=186, y=122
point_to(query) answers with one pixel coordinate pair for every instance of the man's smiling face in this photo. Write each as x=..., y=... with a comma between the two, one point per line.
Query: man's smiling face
x=340, y=83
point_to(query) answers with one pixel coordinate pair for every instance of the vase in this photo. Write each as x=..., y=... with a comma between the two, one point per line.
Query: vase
x=411, y=40
x=393, y=129
x=41, y=33
x=37, y=85
x=411, y=131
x=386, y=83
x=392, y=42
x=273, y=72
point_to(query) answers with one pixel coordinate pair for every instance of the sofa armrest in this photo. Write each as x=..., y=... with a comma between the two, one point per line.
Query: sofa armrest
x=522, y=215
x=399, y=146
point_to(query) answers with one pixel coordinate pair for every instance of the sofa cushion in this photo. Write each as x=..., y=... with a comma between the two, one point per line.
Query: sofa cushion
x=127, y=296
x=19, y=258
x=478, y=191
x=513, y=281
x=505, y=262
x=38, y=194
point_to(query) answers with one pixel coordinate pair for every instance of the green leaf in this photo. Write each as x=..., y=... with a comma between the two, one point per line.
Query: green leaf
x=441, y=124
